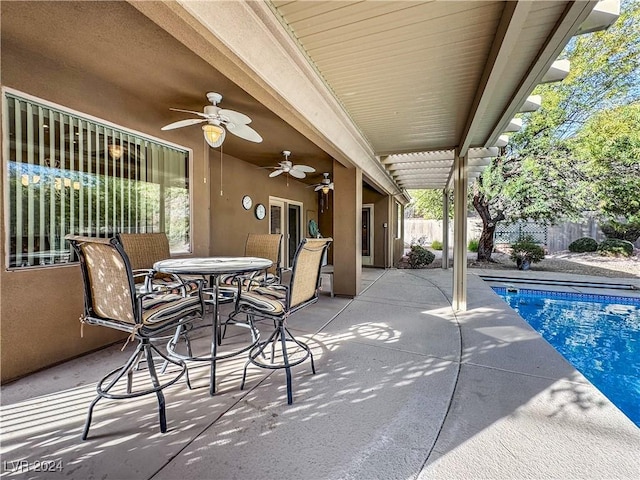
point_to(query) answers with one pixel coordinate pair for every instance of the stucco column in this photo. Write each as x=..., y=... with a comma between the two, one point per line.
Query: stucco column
x=445, y=229
x=347, y=230
x=389, y=235
x=460, y=233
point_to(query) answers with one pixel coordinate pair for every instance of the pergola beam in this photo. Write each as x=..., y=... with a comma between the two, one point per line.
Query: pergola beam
x=574, y=15
x=513, y=21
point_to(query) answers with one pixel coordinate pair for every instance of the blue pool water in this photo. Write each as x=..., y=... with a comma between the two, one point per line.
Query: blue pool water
x=598, y=334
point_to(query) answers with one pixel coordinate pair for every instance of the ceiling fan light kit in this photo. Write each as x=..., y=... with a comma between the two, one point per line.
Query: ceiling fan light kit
x=219, y=121
x=325, y=184
x=115, y=151
x=214, y=135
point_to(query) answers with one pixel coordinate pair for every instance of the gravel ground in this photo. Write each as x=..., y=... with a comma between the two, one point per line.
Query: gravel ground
x=565, y=262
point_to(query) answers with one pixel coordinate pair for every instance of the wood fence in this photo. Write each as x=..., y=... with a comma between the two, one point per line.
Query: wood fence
x=556, y=238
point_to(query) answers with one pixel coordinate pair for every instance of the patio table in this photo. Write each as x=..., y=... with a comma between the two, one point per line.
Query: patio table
x=213, y=267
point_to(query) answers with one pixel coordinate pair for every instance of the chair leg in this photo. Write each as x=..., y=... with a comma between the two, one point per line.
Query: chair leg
x=147, y=348
x=283, y=335
x=254, y=354
x=285, y=360
x=156, y=384
x=176, y=337
x=304, y=347
x=130, y=372
x=87, y=422
x=126, y=369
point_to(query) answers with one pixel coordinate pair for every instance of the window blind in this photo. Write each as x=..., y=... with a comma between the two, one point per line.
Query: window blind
x=70, y=174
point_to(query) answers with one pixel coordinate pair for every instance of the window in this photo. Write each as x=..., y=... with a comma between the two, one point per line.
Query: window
x=66, y=173
x=398, y=220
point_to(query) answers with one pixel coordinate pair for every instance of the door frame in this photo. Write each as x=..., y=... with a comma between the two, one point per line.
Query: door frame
x=284, y=204
x=368, y=259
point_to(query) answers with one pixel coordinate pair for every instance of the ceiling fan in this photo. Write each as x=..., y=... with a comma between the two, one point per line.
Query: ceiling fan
x=218, y=122
x=325, y=184
x=286, y=166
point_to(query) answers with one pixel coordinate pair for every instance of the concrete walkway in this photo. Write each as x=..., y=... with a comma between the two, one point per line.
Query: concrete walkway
x=404, y=389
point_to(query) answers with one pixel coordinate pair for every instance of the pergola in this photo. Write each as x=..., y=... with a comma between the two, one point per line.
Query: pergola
x=416, y=94
x=407, y=94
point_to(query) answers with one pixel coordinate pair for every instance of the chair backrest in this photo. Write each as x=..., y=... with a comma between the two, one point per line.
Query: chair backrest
x=305, y=273
x=145, y=249
x=265, y=245
x=109, y=290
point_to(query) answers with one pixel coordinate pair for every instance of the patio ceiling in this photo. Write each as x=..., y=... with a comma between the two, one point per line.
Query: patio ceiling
x=391, y=87
x=421, y=80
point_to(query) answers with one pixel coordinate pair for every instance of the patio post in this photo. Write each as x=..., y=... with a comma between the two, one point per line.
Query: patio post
x=347, y=230
x=460, y=232
x=445, y=229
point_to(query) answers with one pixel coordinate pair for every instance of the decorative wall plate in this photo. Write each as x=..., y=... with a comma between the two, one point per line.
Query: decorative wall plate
x=261, y=211
x=247, y=202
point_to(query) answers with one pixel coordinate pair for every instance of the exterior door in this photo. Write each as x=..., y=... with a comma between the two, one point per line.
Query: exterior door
x=285, y=216
x=367, y=234
x=294, y=228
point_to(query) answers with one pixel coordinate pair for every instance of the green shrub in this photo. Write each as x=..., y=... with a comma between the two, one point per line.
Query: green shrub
x=526, y=251
x=584, y=244
x=420, y=256
x=615, y=246
x=436, y=245
x=622, y=231
x=473, y=245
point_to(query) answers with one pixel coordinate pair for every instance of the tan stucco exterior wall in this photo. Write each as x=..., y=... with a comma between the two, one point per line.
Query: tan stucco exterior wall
x=398, y=243
x=230, y=222
x=380, y=217
x=40, y=307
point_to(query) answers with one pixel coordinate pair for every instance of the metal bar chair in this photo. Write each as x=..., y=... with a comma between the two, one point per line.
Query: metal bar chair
x=278, y=302
x=111, y=300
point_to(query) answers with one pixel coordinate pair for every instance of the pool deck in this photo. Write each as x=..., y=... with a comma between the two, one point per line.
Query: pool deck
x=405, y=389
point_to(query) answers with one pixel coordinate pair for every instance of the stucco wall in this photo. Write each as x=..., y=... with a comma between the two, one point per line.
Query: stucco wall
x=380, y=217
x=230, y=222
x=40, y=307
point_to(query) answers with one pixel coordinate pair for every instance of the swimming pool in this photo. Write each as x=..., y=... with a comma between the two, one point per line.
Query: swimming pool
x=598, y=334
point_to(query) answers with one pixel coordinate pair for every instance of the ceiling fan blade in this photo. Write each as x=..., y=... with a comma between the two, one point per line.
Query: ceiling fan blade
x=276, y=173
x=235, y=117
x=244, y=131
x=183, y=123
x=331, y=186
x=304, y=168
x=297, y=173
x=200, y=114
x=319, y=187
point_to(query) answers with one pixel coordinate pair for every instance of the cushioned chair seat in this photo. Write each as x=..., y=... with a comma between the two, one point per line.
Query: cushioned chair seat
x=261, y=279
x=163, y=308
x=265, y=299
x=171, y=285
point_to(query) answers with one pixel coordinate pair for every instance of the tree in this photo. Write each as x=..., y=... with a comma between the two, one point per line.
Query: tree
x=539, y=177
x=610, y=145
x=428, y=204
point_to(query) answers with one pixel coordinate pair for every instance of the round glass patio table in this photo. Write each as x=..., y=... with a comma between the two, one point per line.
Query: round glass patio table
x=213, y=267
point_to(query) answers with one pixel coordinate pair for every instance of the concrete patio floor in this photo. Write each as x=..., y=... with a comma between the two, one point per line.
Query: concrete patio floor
x=404, y=389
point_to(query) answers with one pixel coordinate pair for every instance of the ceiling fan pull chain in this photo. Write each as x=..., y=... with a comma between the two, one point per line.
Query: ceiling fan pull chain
x=220, y=170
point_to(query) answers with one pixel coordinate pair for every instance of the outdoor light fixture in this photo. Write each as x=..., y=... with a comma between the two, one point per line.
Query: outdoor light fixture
x=115, y=151
x=213, y=134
